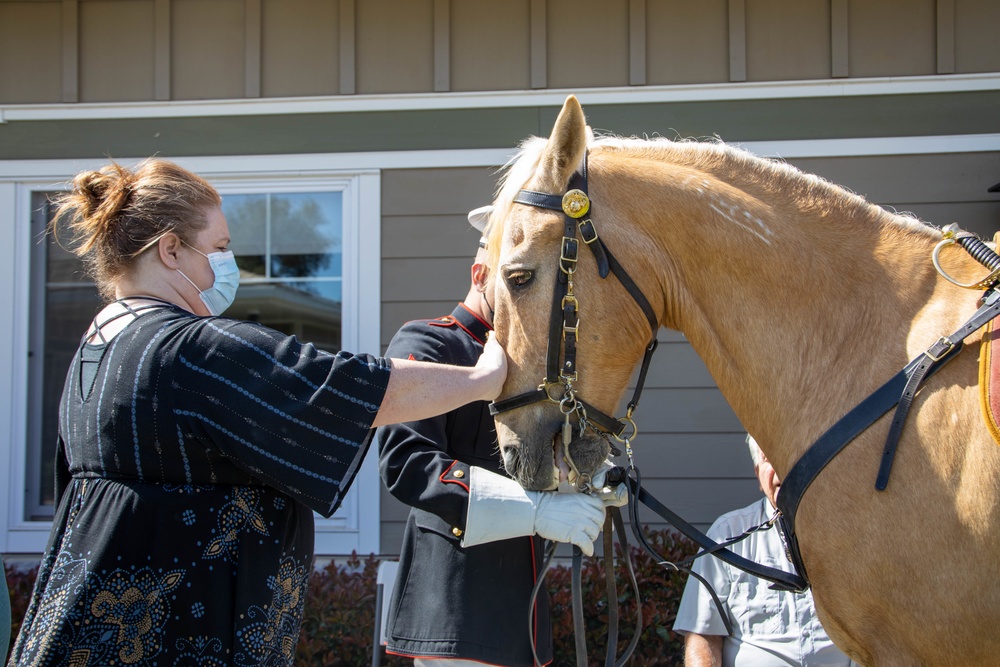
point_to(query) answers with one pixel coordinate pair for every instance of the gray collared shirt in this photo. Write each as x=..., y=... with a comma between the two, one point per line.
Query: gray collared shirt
x=769, y=627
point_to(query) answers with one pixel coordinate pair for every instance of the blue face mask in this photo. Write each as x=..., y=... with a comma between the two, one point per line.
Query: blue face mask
x=222, y=293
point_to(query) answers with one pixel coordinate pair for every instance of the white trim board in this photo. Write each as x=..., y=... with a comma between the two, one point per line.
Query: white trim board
x=708, y=92
x=300, y=165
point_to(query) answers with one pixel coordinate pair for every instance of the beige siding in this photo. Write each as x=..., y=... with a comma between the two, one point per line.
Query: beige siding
x=587, y=43
x=788, y=40
x=687, y=42
x=208, y=49
x=300, y=48
x=395, y=46
x=489, y=45
x=977, y=48
x=892, y=38
x=116, y=53
x=30, y=52
x=939, y=189
x=129, y=50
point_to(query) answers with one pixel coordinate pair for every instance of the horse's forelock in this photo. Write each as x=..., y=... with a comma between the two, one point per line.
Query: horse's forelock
x=515, y=174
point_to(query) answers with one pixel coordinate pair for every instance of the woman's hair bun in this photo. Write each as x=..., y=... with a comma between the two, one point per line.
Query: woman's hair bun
x=103, y=193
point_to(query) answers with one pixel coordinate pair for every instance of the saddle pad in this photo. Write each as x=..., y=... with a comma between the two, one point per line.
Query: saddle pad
x=989, y=379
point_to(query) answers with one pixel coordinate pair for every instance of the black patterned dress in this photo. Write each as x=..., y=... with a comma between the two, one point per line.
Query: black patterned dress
x=192, y=451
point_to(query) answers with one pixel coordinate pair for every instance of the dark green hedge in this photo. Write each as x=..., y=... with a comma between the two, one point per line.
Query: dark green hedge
x=339, y=619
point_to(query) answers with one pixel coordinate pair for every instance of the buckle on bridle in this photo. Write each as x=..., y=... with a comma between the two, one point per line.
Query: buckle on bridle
x=568, y=254
x=938, y=350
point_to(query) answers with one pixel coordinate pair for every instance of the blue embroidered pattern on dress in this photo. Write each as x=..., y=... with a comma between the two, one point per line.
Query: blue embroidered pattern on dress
x=292, y=371
x=264, y=452
x=100, y=398
x=269, y=639
x=241, y=514
x=295, y=420
x=135, y=394
x=123, y=619
x=184, y=457
x=200, y=652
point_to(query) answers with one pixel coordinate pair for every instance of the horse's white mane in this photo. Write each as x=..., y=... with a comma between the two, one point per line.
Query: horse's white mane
x=713, y=156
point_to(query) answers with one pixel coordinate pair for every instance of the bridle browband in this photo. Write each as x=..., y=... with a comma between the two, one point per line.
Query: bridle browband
x=560, y=365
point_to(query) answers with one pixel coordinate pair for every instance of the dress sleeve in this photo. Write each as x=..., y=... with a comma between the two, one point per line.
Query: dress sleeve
x=293, y=416
x=414, y=460
x=697, y=611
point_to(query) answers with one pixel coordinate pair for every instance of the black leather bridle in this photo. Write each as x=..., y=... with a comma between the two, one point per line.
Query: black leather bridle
x=560, y=366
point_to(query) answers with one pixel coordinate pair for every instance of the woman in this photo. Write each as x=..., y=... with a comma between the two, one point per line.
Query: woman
x=192, y=448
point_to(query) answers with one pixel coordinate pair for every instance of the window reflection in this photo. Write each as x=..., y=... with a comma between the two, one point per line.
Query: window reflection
x=289, y=250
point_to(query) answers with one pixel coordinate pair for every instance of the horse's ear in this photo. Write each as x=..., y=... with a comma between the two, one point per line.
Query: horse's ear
x=565, y=149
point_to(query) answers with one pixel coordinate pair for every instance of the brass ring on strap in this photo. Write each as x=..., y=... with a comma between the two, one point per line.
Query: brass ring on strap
x=985, y=283
x=628, y=422
x=547, y=388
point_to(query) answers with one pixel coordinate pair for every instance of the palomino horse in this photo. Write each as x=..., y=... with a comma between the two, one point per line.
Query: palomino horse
x=801, y=298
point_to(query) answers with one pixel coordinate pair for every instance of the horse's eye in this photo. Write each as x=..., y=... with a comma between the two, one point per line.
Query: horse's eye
x=518, y=278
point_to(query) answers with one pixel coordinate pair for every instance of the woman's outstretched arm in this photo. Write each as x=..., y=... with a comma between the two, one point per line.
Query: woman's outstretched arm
x=421, y=389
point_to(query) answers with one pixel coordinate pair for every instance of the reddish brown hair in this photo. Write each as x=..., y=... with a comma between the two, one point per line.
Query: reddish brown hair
x=115, y=214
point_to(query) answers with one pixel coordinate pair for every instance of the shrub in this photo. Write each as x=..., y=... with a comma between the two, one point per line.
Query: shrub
x=19, y=586
x=339, y=619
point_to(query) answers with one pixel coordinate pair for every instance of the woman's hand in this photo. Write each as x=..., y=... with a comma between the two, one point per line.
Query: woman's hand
x=492, y=368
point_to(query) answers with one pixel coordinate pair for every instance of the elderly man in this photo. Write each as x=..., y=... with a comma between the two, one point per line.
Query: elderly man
x=769, y=627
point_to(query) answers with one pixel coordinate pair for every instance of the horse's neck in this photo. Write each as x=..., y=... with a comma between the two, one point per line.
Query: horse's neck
x=798, y=308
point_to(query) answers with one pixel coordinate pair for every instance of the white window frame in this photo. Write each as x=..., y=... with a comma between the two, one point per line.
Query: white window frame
x=356, y=525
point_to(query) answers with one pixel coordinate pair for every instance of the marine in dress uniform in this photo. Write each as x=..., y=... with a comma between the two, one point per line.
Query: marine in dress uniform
x=472, y=549
x=450, y=601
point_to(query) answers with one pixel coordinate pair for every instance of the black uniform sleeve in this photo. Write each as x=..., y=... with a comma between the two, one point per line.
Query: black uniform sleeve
x=414, y=458
x=295, y=417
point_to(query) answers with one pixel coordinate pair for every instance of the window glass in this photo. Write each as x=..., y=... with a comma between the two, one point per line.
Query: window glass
x=63, y=302
x=289, y=250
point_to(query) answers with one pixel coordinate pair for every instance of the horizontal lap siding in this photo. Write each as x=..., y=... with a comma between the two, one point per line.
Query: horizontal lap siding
x=939, y=189
x=690, y=445
x=51, y=50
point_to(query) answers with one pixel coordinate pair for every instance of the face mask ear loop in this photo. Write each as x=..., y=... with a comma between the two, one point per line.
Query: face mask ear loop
x=189, y=280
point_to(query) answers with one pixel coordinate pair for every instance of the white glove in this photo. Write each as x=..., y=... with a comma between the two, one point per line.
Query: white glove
x=500, y=509
x=613, y=496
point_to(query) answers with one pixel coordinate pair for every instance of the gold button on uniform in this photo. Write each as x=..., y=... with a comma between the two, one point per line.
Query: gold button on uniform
x=457, y=532
x=459, y=473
